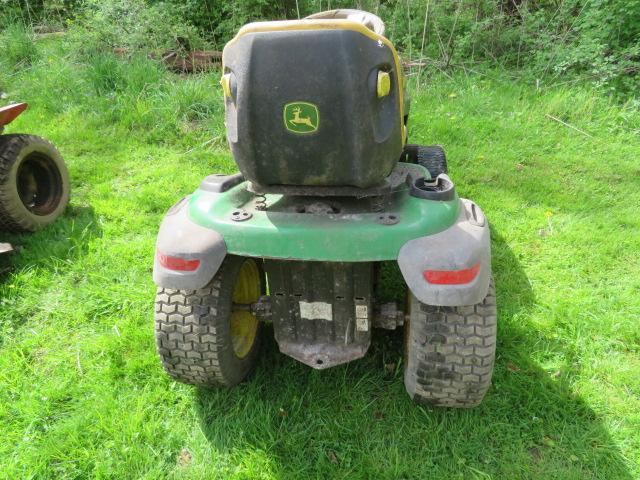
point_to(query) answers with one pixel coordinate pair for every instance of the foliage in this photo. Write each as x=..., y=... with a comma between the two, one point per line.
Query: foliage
x=218, y=20
x=603, y=42
x=34, y=11
x=593, y=40
x=597, y=40
x=133, y=25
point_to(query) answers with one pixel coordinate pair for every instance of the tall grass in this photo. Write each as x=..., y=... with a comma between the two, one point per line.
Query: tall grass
x=17, y=46
x=135, y=93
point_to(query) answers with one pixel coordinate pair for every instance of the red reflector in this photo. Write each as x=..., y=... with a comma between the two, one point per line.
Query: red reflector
x=451, y=277
x=176, y=263
x=9, y=113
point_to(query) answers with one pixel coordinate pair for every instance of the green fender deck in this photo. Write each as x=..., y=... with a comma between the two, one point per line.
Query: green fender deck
x=355, y=234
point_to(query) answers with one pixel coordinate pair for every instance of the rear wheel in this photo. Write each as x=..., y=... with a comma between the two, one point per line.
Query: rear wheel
x=209, y=337
x=34, y=183
x=433, y=159
x=450, y=352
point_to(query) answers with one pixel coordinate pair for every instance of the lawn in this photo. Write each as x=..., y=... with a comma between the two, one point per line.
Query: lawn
x=82, y=393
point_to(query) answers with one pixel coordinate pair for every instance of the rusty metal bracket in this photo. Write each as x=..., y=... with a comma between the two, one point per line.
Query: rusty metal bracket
x=388, y=316
x=261, y=308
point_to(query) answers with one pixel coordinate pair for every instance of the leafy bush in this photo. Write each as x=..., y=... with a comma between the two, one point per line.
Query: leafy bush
x=132, y=24
x=594, y=40
x=218, y=20
x=602, y=42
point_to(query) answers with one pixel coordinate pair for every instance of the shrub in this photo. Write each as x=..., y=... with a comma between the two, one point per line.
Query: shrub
x=133, y=25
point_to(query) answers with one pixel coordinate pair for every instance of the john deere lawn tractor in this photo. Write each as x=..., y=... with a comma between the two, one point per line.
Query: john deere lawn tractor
x=328, y=202
x=34, y=183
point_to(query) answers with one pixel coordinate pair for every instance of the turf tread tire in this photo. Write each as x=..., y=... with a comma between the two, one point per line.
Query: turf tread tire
x=450, y=352
x=192, y=332
x=433, y=159
x=14, y=216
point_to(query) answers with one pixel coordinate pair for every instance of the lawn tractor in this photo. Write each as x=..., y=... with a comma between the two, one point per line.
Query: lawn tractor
x=329, y=202
x=34, y=183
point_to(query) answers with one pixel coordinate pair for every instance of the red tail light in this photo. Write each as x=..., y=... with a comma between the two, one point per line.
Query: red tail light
x=9, y=113
x=177, y=263
x=451, y=277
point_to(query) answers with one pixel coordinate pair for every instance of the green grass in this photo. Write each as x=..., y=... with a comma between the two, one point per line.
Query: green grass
x=82, y=394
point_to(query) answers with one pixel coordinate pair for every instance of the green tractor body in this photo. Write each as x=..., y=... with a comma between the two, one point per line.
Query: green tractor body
x=327, y=197
x=335, y=229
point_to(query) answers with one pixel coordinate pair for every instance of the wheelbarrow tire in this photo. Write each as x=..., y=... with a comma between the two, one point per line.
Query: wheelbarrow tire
x=194, y=331
x=450, y=352
x=34, y=183
x=433, y=159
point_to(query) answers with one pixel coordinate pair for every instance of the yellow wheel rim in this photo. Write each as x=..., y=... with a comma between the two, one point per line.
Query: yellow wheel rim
x=244, y=325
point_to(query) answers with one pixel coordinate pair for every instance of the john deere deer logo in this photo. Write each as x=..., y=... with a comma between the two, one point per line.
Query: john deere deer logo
x=301, y=117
